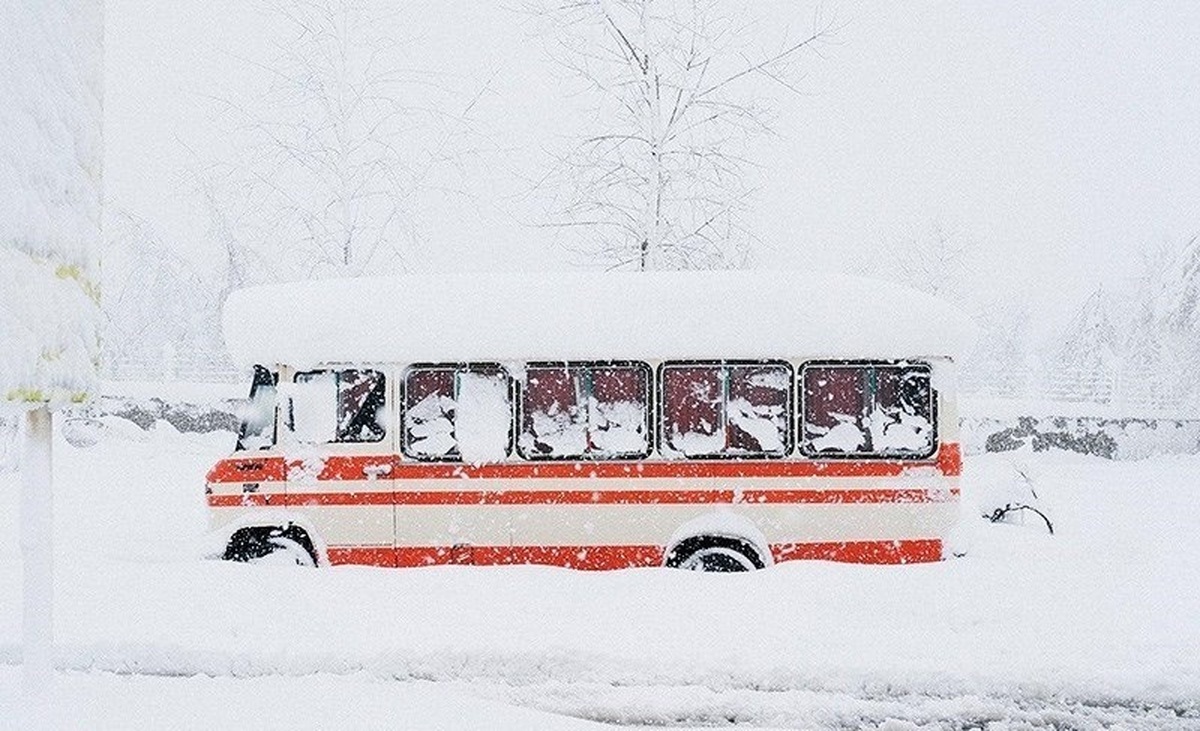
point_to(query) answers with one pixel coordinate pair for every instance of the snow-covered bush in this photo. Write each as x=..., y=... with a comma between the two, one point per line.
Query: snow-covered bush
x=1121, y=438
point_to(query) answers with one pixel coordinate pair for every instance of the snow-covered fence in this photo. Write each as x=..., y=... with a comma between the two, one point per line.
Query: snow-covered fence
x=191, y=366
x=1128, y=390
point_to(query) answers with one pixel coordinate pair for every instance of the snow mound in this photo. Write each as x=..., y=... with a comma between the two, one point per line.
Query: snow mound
x=588, y=315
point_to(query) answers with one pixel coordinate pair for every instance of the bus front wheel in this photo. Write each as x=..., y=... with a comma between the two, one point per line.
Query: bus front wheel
x=720, y=554
x=289, y=546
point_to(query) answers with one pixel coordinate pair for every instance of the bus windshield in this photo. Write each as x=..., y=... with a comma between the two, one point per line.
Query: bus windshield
x=257, y=430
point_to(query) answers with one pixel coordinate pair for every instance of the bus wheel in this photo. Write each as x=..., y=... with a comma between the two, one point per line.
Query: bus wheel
x=289, y=546
x=714, y=553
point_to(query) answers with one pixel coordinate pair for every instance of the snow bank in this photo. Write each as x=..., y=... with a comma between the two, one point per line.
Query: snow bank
x=587, y=315
x=106, y=702
x=1092, y=627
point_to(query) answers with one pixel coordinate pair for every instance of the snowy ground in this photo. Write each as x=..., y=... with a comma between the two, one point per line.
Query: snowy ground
x=1096, y=626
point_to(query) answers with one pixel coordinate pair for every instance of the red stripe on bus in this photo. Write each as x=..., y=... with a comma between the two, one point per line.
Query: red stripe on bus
x=249, y=469
x=625, y=556
x=341, y=468
x=362, y=555
x=587, y=497
x=889, y=552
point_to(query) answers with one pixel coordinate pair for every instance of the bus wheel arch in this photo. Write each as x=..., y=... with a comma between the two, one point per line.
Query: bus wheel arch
x=286, y=543
x=720, y=541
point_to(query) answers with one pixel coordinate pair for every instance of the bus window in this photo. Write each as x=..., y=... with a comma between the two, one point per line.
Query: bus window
x=726, y=409
x=338, y=406
x=457, y=413
x=257, y=430
x=585, y=410
x=871, y=410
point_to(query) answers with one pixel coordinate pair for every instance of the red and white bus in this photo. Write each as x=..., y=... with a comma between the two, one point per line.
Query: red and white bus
x=714, y=421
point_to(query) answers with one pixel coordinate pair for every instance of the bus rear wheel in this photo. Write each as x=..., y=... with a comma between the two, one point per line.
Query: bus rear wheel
x=718, y=554
x=288, y=546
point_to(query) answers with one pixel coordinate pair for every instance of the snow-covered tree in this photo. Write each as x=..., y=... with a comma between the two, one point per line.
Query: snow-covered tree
x=659, y=179
x=50, y=206
x=1086, y=353
x=160, y=314
x=1163, y=346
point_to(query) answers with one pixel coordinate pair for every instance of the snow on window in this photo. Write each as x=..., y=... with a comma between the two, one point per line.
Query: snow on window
x=868, y=410
x=484, y=417
x=429, y=413
x=338, y=406
x=595, y=410
x=457, y=413
x=313, y=400
x=726, y=409
x=257, y=429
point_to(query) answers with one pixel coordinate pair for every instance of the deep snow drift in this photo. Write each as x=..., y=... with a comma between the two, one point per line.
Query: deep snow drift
x=1093, y=626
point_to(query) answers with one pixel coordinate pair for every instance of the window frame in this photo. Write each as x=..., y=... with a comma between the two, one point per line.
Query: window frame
x=337, y=371
x=802, y=443
x=789, y=445
x=651, y=401
x=456, y=367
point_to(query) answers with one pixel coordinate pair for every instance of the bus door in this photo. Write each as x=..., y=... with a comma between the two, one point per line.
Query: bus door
x=340, y=471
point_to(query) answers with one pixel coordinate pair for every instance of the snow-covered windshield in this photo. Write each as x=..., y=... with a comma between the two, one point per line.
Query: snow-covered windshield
x=868, y=409
x=257, y=430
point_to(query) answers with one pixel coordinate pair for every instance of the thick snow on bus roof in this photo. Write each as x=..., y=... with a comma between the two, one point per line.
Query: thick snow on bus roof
x=587, y=315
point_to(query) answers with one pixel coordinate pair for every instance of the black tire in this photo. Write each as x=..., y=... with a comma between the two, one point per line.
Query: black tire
x=718, y=554
x=252, y=545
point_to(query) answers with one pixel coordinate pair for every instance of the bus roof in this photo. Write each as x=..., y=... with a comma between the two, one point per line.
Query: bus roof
x=587, y=316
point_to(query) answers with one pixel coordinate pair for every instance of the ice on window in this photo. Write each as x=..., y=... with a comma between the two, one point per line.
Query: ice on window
x=870, y=409
x=429, y=424
x=586, y=410
x=457, y=413
x=844, y=436
x=712, y=410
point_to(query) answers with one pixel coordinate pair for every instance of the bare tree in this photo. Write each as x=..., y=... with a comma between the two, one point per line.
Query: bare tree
x=937, y=261
x=328, y=165
x=659, y=182
x=160, y=314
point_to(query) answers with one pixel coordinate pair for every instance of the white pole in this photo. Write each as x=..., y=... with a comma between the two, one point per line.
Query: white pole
x=37, y=550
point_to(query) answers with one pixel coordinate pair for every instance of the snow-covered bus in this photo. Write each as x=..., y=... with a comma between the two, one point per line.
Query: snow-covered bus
x=704, y=420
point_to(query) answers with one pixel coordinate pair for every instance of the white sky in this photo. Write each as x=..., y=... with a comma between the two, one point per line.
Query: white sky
x=1062, y=137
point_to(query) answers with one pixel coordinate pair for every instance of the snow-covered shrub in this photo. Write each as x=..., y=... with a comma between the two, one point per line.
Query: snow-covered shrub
x=185, y=417
x=1108, y=437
